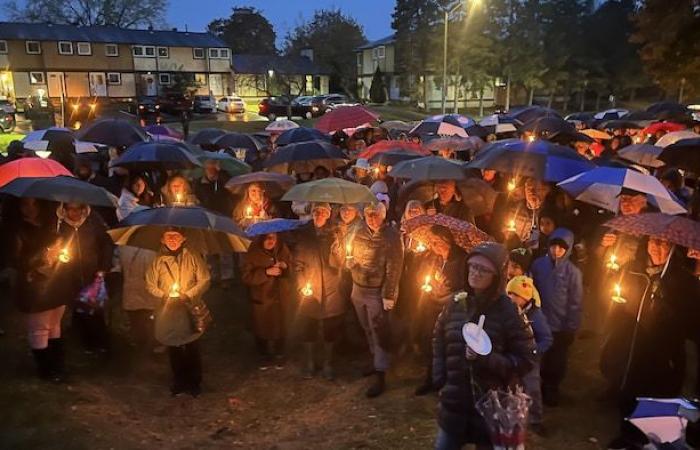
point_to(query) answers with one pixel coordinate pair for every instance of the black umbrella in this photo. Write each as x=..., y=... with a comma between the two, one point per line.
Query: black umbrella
x=301, y=134
x=238, y=140
x=275, y=184
x=393, y=157
x=113, y=132
x=478, y=131
x=206, y=136
x=156, y=156
x=671, y=108
x=638, y=115
x=429, y=168
x=684, y=154
x=60, y=189
x=205, y=231
x=528, y=113
x=477, y=194
x=548, y=127
x=306, y=156
x=619, y=125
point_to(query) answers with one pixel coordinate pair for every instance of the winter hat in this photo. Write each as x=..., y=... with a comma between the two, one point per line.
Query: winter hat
x=524, y=287
x=522, y=257
x=379, y=187
x=498, y=255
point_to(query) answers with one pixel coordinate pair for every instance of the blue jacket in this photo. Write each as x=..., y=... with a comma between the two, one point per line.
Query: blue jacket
x=540, y=328
x=560, y=286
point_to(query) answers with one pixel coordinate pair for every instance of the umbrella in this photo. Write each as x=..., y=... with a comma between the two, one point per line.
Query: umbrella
x=596, y=134
x=88, y=147
x=477, y=131
x=668, y=127
x=273, y=226
x=31, y=168
x=429, y=168
x=444, y=125
x=162, y=130
x=643, y=154
x=60, y=188
x=330, y=190
x=539, y=159
x=465, y=234
x=155, y=156
x=456, y=144
x=671, y=108
x=610, y=114
x=205, y=231
x=676, y=229
x=639, y=115
x=528, y=113
x=228, y=163
x=275, y=184
x=664, y=420
x=279, y=126
x=619, y=125
x=345, y=117
x=548, y=127
x=396, y=125
x=393, y=157
x=477, y=194
x=306, y=156
x=297, y=135
x=673, y=137
x=392, y=146
x=206, y=136
x=602, y=186
x=49, y=139
x=684, y=154
x=238, y=140
x=112, y=132
x=498, y=124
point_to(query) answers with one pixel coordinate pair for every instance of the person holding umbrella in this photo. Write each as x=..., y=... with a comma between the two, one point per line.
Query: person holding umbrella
x=176, y=277
x=255, y=206
x=448, y=201
x=375, y=260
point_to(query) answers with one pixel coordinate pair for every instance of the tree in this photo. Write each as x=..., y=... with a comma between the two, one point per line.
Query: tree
x=377, y=91
x=246, y=31
x=118, y=13
x=333, y=38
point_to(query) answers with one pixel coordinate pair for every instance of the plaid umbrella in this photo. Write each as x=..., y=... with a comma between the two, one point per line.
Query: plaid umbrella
x=684, y=154
x=643, y=154
x=676, y=229
x=391, y=146
x=465, y=234
x=345, y=117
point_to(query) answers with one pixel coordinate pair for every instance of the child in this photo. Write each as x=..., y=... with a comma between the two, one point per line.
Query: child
x=522, y=292
x=559, y=282
x=519, y=260
x=547, y=224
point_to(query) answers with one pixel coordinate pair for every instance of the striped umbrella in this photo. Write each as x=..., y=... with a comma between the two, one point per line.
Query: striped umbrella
x=444, y=125
x=643, y=154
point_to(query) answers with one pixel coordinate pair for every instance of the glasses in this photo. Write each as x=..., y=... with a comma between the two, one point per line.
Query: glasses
x=478, y=268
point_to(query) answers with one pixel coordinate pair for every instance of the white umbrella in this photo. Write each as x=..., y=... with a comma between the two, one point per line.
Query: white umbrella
x=643, y=154
x=675, y=136
x=281, y=125
x=663, y=420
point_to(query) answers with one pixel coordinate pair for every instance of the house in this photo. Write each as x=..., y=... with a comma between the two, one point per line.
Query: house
x=258, y=76
x=382, y=54
x=103, y=61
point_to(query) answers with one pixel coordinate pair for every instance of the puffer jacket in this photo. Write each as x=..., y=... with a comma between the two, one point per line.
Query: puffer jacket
x=378, y=259
x=454, y=208
x=560, y=286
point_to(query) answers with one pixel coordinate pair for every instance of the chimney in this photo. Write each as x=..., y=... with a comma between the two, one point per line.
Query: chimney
x=307, y=52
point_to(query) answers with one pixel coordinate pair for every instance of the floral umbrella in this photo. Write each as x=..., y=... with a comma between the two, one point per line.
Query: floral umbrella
x=465, y=234
x=676, y=229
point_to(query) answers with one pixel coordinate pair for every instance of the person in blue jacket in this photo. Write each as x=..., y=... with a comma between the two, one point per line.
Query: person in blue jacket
x=559, y=283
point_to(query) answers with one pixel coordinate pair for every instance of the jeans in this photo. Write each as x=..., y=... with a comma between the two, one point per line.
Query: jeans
x=374, y=320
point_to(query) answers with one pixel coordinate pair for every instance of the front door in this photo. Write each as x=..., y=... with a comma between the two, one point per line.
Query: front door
x=55, y=84
x=98, y=84
x=148, y=85
x=216, y=84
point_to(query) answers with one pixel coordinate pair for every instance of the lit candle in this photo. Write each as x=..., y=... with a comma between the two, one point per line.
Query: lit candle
x=420, y=247
x=512, y=185
x=178, y=198
x=249, y=212
x=531, y=138
x=612, y=264
x=307, y=291
x=174, y=291
x=64, y=256
x=348, y=250
x=511, y=226
x=617, y=294
x=376, y=171
x=427, y=287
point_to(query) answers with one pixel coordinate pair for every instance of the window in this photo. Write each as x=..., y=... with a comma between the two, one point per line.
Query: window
x=138, y=50
x=65, y=48
x=84, y=48
x=164, y=79
x=146, y=51
x=214, y=53
x=114, y=78
x=36, y=78
x=3, y=47
x=223, y=53
x=150, y=51
x=378, y=52
x=198, y=53
x=163, y=52
x=111, y=50
x=359, y=59
x=33, y=47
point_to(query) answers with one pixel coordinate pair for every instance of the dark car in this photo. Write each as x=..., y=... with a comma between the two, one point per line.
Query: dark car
x=80, y=111
x=175, y=103
x=39, y=109
x=279, y=106
x=144, y=106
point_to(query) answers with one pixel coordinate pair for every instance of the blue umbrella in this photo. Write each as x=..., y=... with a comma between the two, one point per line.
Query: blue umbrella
x=155, y=156
x=664, y=420
x=296, y=135
x=273, y=226
x=306, y=156
x=431, y=125
x=238, y=140
x=112, y=132
x=539, y=159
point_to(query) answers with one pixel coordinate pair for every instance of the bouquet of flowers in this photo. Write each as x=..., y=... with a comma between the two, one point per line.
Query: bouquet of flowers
x=505, y=414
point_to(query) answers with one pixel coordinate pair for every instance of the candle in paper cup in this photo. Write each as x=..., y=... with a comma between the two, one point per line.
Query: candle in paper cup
x=64, y=255
x=249, y=212
x=512, y=185
x=420, y=247
x=612, y=263
x=617, y=294
x=511, y=226
x=307, y=291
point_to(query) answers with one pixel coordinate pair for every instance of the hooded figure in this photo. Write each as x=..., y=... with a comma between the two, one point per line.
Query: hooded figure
x=463, y=376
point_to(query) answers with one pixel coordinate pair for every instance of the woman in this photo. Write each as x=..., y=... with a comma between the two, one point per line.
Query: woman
x=177, y=276
x=254, y=207
x=134, y=193
x=267, y=261
x=465, y=376
x=138, y=303
x=178, y=192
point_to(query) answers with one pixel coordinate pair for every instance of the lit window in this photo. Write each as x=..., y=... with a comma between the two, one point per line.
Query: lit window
x=65, y=48
x=84, y=48
x=163, y=52
x=114, y=78
x=33, y=47
x=36, y=78
x=111, y=50
x=164, y=79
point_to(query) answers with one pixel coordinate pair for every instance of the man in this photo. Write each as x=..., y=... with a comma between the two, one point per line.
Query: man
x=85, y=171
x=624, y=247
x=210, y=189
x=448, y=201
x=375, y=260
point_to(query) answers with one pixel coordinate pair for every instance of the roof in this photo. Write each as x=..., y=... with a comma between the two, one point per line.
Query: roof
x=107, y=34
x=291, y=65
x=383, y=41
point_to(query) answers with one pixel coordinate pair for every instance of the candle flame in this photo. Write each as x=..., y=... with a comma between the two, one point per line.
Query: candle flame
x=178, y=197
x=64, y=256
x=307, y=291
x=249, y=212
x=512, y=185
x=511, y=225
x=427, y=287
x=348, y=250
x=612, y=263
x=420, y=247
x=617, y=294
x=174, y=290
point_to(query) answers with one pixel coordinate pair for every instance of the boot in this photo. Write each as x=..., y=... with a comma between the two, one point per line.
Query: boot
x=427, y=386
x=377, y=388
x=308, y=368
x=328, y=372
x=57, y=359
x=42, y=358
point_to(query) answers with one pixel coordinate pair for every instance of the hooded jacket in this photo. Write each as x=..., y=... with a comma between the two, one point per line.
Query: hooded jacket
x=560, y=285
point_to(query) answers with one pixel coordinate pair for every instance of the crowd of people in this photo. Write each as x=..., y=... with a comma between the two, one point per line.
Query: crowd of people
x=350, y=267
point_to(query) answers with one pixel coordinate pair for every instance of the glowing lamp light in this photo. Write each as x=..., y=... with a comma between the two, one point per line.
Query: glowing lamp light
x=420, y=247
x=612, y=263
x=427, y=287
x=174, y=291
x=178, y=197
x=512, y=185
x=93, y=106
x=511, y=226
x=617, y=294
x=307, y=291
x=75, y=107
x=531, y=138
x=64, y=256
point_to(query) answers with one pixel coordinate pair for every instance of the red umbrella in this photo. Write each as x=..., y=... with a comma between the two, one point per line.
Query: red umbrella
x=345, y=117
x=663, y=126
x=388, y=146
x=675, y=229
x=465, y=234
x=31, y=168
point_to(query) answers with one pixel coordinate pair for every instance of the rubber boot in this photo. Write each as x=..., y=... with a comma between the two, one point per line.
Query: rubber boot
x=328, y=372
x=57, y=359
x=42, y=358
x=377, y=388
x=308, y=368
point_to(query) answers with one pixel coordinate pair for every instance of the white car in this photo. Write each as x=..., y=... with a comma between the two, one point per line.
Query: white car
x=231, y=104
x=204, y=103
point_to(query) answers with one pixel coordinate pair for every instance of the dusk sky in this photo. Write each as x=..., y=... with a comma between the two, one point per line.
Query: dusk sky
x=373, y=15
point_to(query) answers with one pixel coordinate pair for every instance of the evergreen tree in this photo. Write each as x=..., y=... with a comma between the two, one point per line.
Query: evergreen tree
x=377, y=91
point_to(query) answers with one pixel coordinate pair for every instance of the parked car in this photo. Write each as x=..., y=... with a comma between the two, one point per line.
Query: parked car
x=175, y=103
x=333, y=100
x=7, y=121
x=7, y=106
x=231, y=104
x=205, y=103
x=38, y=108
x=303, y=100
x=80, y=111
x=317, y=106
x=144, y=106
x=279, y=106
